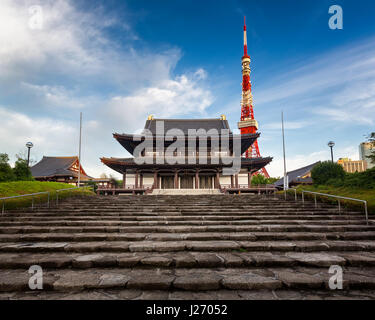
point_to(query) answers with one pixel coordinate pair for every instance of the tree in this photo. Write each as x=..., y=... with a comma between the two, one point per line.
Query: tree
x=326, y=171
x=22, y=171
x=371, y=140
x=114, y=181
x=6, y=172
x=23, y=155
x=259, y=179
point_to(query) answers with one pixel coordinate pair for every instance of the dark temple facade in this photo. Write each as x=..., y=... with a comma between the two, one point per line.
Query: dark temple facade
x=188, y=167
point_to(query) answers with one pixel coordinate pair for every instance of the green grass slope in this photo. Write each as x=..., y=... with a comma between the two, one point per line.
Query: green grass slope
x=350, y=192
x=9, y=189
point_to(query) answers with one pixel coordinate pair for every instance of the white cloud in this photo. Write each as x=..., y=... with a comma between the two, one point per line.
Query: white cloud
x=71, y=65
x=177, y=97
x=200, y=74
x=276, y=167
x=73, y=50
x=46, y=134
x=334, y=86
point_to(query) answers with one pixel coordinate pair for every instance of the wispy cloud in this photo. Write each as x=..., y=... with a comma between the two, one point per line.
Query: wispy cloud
x=338, y=85
x=47, y=76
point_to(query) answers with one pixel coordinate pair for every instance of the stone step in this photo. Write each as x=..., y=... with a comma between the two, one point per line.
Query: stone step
x=182, y=236
x=269, y=215
x=212, y=295
x=354, y=232
x=229, y=206
x=190, y=259
x=255, y=220
x=196, y=246
x=354, y=224
x=184, y=279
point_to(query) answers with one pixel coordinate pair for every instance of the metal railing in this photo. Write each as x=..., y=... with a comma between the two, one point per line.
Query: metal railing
x=327, y=195
x=32, y=195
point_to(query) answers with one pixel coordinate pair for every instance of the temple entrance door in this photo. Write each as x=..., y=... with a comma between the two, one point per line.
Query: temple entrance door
x=187, y=182
x=205, y=182
x=167, y=182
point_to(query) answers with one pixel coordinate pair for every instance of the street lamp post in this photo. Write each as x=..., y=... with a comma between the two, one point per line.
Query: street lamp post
x=331, y=144
x=29, y=145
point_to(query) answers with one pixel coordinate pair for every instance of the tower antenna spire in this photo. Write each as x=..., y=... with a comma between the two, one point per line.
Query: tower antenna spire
x=244, y=37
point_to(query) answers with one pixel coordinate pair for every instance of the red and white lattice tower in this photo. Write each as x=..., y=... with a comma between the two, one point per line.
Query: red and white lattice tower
x=248, y=124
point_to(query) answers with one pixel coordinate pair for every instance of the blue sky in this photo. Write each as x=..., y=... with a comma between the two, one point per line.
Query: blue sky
x=118, y=61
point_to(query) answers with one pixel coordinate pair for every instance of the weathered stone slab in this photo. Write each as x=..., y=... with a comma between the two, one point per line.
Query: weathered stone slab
x=358, y=259
x=85, y=261
x=231, y=260
x=299, y=280
x=196, y=282
x=184, y=260
x=310, y=246
x=73, y=281
x=212, y=245
x=207, y=260
x=250, y=281
x=157, y=261
x=112, y=280
x=150, y=282
x=270, y=259
x=128, y=261
x=317, y=259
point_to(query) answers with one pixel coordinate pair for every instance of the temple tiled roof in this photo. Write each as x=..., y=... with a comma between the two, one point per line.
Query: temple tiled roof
x=123, y=164
x=186, y=124
x=296, y=176
x=56, y=166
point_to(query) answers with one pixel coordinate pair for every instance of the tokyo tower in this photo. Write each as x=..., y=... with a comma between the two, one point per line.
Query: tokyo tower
x=248, y=124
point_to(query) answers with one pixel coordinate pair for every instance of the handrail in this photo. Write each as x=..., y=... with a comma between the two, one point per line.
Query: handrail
x=328, y=195
x=3, y=199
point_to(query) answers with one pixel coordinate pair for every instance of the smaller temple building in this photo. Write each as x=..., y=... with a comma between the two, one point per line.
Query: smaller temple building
x=301, y=176
x=59, y=169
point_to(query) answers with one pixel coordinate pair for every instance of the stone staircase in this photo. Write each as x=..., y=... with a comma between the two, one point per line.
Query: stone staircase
x=175, y=192
x=186, y=247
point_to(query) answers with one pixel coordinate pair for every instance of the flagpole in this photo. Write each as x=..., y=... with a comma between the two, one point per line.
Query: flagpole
x=79, y=153
x=286, y=184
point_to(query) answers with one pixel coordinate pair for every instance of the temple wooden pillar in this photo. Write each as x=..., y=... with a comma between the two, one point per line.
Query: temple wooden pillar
x=156, y=184
x=236, y=178
x=124, y=180
x=196, y=179
x=136, y=180
x=249, y=176
x=141, y=181
x=176, y=179
x=232, y=181
x=217, y=180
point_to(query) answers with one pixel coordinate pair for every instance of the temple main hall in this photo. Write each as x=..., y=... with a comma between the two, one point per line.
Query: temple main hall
x=186, y=174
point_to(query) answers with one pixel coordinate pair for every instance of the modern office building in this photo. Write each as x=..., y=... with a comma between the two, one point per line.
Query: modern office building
x=365, y=149
x=352, y=166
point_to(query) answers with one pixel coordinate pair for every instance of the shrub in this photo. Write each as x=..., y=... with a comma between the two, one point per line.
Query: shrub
x=262, y=180
x=6, y=172
x=22, y=171
x=92, y=184
x=326, y=171
x=364, y=180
